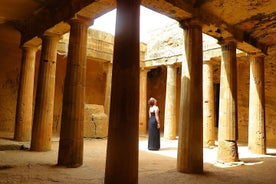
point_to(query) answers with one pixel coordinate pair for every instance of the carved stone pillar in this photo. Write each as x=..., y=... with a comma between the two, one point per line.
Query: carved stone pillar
x=108, y=90
x=143, y=113
x=256, y=126
x=170, y=104
x=24, y=108
x=122, y=143
x=71, y=133
x=190, y=143
x=208, y=106
x=227, y=135
x=44, y=104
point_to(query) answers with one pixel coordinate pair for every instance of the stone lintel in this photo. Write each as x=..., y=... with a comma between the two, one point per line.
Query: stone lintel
x=50, y=15
x=163, y=61
x=171, y=8
x=257, y=54
x=210, y=53
x=97, y=8
x=217, y=28
x=246, y=47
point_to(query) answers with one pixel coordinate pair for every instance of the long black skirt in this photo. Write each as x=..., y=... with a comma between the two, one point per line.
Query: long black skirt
x=154, y=134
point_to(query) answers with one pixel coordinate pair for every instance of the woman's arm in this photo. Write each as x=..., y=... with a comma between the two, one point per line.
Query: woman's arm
x=157, y=117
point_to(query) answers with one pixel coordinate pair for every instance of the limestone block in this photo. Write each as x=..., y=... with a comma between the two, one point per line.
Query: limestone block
x=95, y=121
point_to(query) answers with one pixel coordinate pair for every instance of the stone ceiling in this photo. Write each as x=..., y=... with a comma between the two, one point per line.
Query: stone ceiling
x=251, y=22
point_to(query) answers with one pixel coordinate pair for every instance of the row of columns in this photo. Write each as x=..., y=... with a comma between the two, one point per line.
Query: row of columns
x=122, y=123
x=228, y=124
x=39, y=129
x=122, y=145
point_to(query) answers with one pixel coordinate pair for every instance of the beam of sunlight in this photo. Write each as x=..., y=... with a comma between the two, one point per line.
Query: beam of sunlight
x=149, y=20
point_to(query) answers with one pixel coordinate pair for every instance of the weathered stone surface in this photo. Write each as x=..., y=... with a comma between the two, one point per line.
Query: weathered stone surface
x=9, y=81
x=44, y=103
x=95, y=121
x=99, y=46
x=228, y=151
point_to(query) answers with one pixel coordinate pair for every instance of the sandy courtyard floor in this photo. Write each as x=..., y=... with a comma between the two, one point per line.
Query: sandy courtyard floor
x=19, y=165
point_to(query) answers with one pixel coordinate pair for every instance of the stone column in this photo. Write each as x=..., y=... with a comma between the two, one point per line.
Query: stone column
x=143, y=113
x=44, y=104
x=24, y=108
x=208, y=106
x=190, y=143
x=122, y=143
x=256, y=126
x=108, y=90
x=170, y=104
x=71, y=132
x=227, y=135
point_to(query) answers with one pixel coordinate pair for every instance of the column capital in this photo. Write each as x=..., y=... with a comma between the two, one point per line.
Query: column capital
x=174, y=65
x=226, y=41
x=81, y=19
x=33, y=43
x=186, y=23
x=144, y=69
x=107, y=65
x=51, y=34
x=29, y=47
x=257, y=54
x=228, y=44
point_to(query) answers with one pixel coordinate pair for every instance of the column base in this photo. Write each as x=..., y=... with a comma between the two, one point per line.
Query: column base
x=227, y=151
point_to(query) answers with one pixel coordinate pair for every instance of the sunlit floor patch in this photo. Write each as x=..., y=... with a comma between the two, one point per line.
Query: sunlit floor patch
x=169, y=148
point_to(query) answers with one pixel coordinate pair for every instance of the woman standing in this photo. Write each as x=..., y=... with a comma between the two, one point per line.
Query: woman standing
x=153, y=125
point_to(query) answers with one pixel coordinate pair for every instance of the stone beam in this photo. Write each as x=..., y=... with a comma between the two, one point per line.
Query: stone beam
x=213, y=25
x=101, y=55
x=217, y=28
x=208, y=54
x=99, y=46
x=97, y=8
x=52, y=13
x=153, y=63
x=178, y=11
